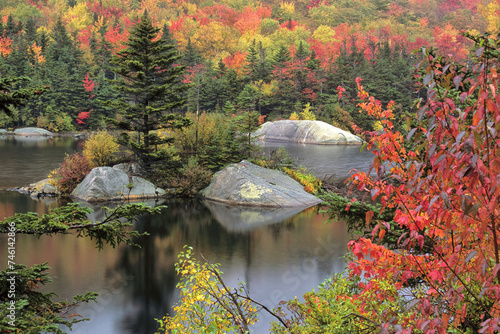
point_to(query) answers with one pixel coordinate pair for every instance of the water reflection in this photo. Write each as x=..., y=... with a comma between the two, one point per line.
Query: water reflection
x=26, y=160
x=278, y=261
x=236, y=218
x=279, y=254
x=332, y=162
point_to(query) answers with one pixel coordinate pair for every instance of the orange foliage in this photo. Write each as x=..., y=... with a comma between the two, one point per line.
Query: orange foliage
x=248, y=21
x=116, y=38
x=235, y=61
x=5, y=46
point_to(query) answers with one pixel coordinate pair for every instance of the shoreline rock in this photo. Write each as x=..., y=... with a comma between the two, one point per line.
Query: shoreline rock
x=104, y=184
x=247, y=184
x=306, y=132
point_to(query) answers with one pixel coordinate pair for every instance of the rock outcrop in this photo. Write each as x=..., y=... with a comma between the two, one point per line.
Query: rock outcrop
x=108, y=184
x=307, y=132
x=32, y=132
x=39, y=189
x=247, y=184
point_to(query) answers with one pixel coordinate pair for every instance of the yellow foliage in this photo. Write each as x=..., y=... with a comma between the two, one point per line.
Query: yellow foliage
x=323, y=15
x=214, y=38
x=190, y=27
x=377, y=126
x=207, y=305
x=307, y=114
x=490, y=13
x=310, y=182
x=324, y=34
x=287, y=7
x=288, y=37
x=190, y=8
x=78, y=17
x=294, y=116
x=36, y=52
x=246, y=40
x=100, y=148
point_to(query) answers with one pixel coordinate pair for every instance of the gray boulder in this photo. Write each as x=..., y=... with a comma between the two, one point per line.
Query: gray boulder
x=307, y=132
x=108, y=184
x=247, y=184
x=32, y=132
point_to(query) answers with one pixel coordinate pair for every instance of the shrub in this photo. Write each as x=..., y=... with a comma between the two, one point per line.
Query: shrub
x=310, y=182
x=213, y=138
x=71, y=172
x=294, y=116
x=207, y=304
x=307, y=114
x=100, y=149
x=276, y=160
x=193, y=178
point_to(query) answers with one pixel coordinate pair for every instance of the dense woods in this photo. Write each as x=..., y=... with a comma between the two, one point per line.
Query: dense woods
x=430, y=117
x=271, y=57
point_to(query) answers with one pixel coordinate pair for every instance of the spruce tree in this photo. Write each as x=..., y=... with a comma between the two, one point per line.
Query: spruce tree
x=150, y=84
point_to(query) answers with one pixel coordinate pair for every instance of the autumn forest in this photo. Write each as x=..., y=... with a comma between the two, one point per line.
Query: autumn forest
x=275, y=57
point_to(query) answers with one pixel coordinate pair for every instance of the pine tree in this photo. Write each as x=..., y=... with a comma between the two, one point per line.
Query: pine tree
x=152, y=90
x=280, y=60
x=191, y=55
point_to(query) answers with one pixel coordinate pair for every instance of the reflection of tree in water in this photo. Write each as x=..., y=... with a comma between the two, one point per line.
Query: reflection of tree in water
x=245, y=254
x=151, y=268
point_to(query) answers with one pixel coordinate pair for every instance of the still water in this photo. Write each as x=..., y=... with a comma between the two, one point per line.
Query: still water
x=279, y=253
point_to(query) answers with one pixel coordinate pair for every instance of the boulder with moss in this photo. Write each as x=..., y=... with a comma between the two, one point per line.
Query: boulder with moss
x=245, y=183
x=305, y=132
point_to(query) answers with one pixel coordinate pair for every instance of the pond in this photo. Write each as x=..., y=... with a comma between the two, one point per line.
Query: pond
x=280, y=254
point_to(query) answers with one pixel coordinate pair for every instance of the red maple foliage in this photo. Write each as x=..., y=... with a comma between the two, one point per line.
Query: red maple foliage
x=442, y=179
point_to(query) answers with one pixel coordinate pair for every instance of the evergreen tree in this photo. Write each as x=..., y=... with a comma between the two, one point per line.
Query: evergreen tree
x=280, y=60
x=10, y=27
x=150, y=82
x=252, y=58
x=167, y=36
x=191, y=55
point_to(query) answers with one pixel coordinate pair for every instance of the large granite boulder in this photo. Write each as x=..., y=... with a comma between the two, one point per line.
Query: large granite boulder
x=247, y=184
x=307, y=132
x=108, y=184
x=32, y=132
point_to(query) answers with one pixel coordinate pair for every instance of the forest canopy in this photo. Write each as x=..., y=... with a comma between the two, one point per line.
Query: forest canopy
x=274, y=57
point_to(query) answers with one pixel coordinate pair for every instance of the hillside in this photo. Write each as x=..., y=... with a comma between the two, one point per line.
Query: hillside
x=276, y=57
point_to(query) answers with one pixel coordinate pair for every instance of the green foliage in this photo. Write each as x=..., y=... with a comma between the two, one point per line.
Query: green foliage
x=333, y=308
x=12, y=96
x=207, y=304
x=35, y=311
x=70, y=173
x=276, y=160
x=151, y=85
x=355, y=212
x=246, y=123
x=213, y=138
x=112, y=230
x=100, y=149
